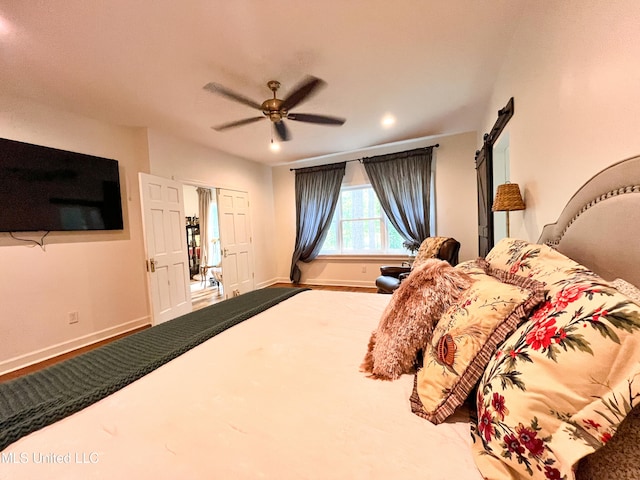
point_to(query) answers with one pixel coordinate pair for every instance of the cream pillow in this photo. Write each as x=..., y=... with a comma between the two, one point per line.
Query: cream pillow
x=467, y=336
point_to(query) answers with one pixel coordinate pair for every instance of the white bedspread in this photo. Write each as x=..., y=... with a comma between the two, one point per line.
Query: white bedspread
x=278, y=396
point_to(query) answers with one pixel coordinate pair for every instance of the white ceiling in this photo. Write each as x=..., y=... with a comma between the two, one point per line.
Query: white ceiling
x=430, y=63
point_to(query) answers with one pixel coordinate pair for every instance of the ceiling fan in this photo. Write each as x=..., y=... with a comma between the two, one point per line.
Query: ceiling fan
x=275, y=109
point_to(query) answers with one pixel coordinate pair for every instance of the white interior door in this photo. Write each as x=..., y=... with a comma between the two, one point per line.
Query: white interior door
x=235, y=242
x=166, y=247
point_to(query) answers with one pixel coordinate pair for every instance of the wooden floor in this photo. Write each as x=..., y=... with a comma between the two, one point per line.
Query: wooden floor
x=64, y=356
x=202, y=299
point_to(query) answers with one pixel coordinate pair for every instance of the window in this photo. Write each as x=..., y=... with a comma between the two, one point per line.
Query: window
x=359, y=226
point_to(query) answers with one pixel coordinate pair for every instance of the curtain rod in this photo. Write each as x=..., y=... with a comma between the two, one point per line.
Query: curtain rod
x=360, y=159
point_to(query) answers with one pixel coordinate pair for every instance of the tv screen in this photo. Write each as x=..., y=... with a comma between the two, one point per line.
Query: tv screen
x=47, y=189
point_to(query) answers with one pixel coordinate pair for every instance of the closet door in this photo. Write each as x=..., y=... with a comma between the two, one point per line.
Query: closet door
x=235, y=242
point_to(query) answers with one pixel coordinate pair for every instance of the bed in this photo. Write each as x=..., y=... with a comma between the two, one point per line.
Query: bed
x=277, y=392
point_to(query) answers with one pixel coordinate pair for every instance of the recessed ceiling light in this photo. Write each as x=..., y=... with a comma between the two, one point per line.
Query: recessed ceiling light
x=388, y=120
x=5, y=27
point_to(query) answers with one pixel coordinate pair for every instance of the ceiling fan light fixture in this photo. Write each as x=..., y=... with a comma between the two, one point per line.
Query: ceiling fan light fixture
x=274, y=146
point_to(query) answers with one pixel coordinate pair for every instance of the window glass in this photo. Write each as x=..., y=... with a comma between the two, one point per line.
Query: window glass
x=359, y=226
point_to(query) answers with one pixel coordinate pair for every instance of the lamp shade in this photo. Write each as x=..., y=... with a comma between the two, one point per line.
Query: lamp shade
x=508, y=198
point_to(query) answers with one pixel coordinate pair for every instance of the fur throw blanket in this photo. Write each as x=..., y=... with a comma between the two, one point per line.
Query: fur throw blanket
x=408, y=321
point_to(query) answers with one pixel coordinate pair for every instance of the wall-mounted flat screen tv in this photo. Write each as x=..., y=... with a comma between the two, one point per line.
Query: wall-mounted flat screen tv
x=47, y=189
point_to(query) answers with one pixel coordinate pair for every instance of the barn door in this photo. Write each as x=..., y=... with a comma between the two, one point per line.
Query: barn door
x=484, y=170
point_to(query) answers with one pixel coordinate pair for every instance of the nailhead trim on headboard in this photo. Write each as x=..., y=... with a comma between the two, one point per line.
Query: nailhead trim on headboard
x=604, y=196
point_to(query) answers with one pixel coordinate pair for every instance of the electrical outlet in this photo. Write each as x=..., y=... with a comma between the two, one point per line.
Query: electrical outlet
x=364, y=269
x=73, y=318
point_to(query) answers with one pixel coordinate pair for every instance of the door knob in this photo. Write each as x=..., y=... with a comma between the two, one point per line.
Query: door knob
x=152, y=262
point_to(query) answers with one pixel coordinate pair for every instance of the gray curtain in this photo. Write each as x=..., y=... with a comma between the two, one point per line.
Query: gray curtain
x=402, y=182
x=317, y=194
x=204, y=206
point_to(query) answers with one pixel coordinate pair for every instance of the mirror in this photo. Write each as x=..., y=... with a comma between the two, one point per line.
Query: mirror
x=500, y=176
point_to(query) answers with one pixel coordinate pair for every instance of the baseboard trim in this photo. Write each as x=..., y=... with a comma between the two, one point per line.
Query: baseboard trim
x=332, y=283
x=340, y=283
x=268, y=283
x=26, y=360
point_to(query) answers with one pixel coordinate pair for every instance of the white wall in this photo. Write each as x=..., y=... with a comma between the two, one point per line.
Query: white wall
x=456, y=192
x=574, y=73
x=193, y=164
x=191, y=204
x=100, y=275
x=455, y=199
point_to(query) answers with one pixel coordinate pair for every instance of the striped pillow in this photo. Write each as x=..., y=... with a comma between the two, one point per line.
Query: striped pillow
x=467, y=335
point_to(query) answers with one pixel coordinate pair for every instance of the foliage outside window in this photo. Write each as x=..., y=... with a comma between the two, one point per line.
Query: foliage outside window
x=359, y=226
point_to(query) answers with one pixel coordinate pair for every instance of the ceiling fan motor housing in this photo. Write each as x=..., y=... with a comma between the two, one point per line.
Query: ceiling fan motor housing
x=271, y=109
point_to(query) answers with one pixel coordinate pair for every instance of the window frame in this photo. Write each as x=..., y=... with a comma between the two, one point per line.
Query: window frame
x=385, y=227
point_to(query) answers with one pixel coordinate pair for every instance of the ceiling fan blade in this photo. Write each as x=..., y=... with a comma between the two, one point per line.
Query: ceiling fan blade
x=237, y=123
x=323, y=119
x=282, y=130
x=224, y=91
x=308, y=86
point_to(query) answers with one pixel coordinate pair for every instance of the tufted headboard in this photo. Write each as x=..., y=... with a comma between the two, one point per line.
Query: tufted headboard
x=600, y=225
